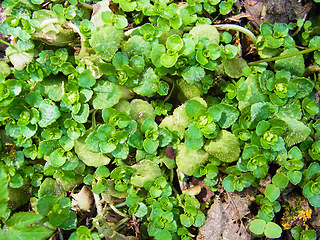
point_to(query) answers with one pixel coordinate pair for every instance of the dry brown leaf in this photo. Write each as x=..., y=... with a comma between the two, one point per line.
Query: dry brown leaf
x=224, y=219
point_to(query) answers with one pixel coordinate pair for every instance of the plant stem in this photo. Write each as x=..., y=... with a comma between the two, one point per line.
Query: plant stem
x=83, y=40
x=237, y=28
x=299, y=28
x=122, y=204
x=87, y=6
x=6, y=43
x=122, y=221
x=285, y=56
x=128, y=32
x=171, y=90
x=116, y=210
x=47, y=22
x=98, y=205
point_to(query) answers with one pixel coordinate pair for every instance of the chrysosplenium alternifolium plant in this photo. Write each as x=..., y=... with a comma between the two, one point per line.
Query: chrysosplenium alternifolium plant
x=116, y=99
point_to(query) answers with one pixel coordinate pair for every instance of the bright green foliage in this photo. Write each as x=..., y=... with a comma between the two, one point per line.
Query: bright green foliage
x=270, y=229
x=4, y=193
x=26, y=225
x=84, y=233
x=272, y=192
x=188, y=160
x=192, y=216
x=268, y=208
x=257, y=226
x=225, y=147
x=119, y=97
x=145, y=171
x=297, y=233
x=106, y=42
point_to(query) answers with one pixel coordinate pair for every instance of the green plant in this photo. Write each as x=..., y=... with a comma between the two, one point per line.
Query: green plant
x=105, y=104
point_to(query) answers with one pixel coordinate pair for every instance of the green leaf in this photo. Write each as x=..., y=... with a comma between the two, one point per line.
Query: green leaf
x=304, y=86
x=57, y=157
x=19, y=58
x=297, y=131
x=165, y=137
x=163, y=234
x=186, y=220
x=102, y=172
x=107, y=94
x=280, y=180
x=272, y=192
x=27, y=225
x=295, y=64
x=291, y=109
x=137, y=46
x=49, y=113
x=194, y=131
x=82, y=115
x=193, y=143
x=174, y=42
x=142, y=210
x=107, y=147
x=233, y=67
x=149, y=124
x=225, y=147
x=200, y=219
x=205, y=31
x=294, y=177
x=156, y=53
x=188, y=160
x=262, y=111
x=228, y=184
x=121, y=151
x=229, y=114
x=314, y=200
x=272, y=230
x=193, y=74
x=106, y=41
x=257, y=226
x=88, y=157
x=145, y=171
x=167, y=60
x=150, y=146
x=194, y=108
x=148, y=84
x=3, y=192
x=86, y=79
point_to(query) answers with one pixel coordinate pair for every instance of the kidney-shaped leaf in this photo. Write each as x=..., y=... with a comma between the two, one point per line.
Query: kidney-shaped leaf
x=25, y=225
x=106, y=42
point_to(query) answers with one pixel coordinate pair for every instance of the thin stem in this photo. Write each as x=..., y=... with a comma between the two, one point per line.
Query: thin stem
x=128, y=32
x=87, y=6
x=116, y=210
x=172, y=88
x=171, y=175
x=299, y=28
x=83, y=40
x=285, y=56
x=98, y=205
x=94, y=123
x=47, y=22
x=237, y=28
x=122, y=204
x=60, y=234
x=6, y=43
x=167, y=79
x=122, y=221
